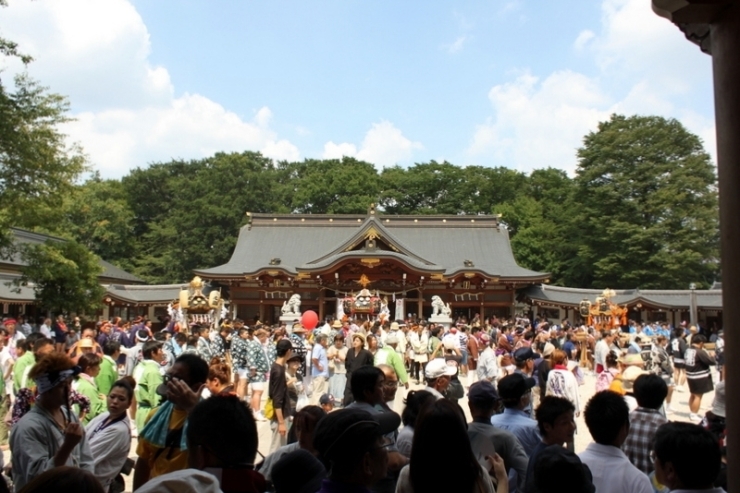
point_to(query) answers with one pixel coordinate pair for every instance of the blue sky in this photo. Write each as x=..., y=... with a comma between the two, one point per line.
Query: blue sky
x=497, y=83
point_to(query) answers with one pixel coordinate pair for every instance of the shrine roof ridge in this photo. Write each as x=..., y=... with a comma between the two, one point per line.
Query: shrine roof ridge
x=391, y=220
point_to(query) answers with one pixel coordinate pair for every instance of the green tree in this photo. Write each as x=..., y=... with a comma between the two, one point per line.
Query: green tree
x=187, y=214
x=64, y=275
x=97, y=215
x=329, y=186
x=646, y=207
x=37, y=167
x=424, y=188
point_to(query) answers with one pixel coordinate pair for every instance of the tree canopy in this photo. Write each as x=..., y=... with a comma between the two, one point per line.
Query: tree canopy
x=64, y=275
x=647, y=212
x=641, y=210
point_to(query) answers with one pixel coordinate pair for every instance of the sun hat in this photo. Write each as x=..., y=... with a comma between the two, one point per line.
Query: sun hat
x=629, y=375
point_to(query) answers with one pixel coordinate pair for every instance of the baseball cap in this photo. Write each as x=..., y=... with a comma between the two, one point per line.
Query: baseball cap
x=326, y=399
x=346, y=431
x=299, y=472
x=438, y=368
x=514, y=386
x=482, y=392
x=523, y=354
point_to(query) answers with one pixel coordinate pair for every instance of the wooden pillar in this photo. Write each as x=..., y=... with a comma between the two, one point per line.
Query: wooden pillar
x=420, y=306
x=725, y=35
x=321, y=305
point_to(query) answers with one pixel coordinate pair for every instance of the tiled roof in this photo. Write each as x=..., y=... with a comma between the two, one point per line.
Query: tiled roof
x=433, y=243
x=22, y=236
x=669, y=299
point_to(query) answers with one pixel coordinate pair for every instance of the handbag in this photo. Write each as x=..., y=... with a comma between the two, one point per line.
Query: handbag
x=269, y=411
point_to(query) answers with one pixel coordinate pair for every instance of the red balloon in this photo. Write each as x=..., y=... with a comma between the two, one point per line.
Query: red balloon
x=309, y=319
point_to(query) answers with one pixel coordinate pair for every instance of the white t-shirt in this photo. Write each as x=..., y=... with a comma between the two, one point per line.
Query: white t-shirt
x=6, y=362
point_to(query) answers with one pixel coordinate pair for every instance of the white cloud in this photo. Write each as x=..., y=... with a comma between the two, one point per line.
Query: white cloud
x=642, y=63
x=583, y=38
x=127, y=113
x=383, y=145
x=338, y=151
x=539, y=124
x=457, y=45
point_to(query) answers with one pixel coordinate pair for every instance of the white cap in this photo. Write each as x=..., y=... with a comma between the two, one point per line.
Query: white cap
x=438, y=368
x=183, y=481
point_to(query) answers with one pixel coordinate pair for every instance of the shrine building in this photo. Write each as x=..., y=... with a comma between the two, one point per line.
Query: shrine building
x=465, y=260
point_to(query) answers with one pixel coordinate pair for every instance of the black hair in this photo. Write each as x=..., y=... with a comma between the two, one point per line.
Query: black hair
x=305, y=422
x=693, y=451
x=193, y=339
x=650, y=391
x=41, y=342
x=606, y=413
x=197, y=368
x=234, y=445
x=32, y=338
x=365, y=378
x=611, y=359
x=550, y=409
x=22, y=345
x=149, y=348
x=414, y=401
x=125, y=386
x=87, y=361
x=142, y=334
x=111, y=347
x=180, y=337
x=282, y=347
x=435, y=331
x=160, y=336
x=698, y=339
x=441, y=426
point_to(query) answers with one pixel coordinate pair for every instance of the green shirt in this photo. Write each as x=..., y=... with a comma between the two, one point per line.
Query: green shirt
x=389, y=356
x=148, y=378
x=108, y=375
x=89, y=390
x=19, y=370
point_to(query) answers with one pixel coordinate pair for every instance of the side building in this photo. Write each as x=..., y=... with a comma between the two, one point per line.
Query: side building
x=21, y=300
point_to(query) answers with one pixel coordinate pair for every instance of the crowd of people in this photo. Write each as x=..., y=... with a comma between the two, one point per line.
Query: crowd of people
x=195, y=399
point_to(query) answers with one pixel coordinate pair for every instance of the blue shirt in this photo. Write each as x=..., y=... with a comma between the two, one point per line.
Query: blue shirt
x=521, y=425
x=319, y=353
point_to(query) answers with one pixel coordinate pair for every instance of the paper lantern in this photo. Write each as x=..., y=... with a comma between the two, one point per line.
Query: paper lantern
x=309, y=319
